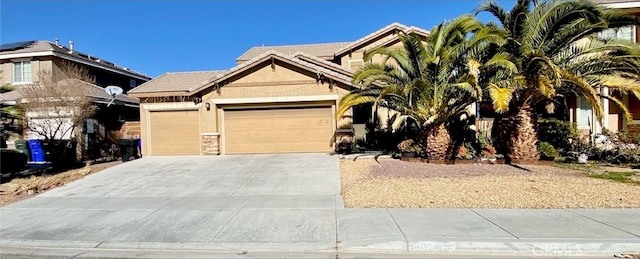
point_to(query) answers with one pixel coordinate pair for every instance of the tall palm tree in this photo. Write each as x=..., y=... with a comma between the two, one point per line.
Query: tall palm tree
x=553, y=45
x=430, y=84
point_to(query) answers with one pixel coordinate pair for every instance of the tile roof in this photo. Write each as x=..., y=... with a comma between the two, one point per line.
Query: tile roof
x=42, y=45
x=323, y=63
x=176, y=81
x=319, y=50
x=96, y=92
x=272, y=53
x=378, y=33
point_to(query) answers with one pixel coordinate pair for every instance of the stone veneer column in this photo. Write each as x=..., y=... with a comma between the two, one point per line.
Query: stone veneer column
x=210, y=144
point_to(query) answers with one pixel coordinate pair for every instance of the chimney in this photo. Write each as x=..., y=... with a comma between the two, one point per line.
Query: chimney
x=57, y=42
x=71, y=46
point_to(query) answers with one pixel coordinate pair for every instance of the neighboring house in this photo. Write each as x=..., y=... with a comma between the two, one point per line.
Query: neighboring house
x=277, y=99
x=21, y=63
x=582, y=114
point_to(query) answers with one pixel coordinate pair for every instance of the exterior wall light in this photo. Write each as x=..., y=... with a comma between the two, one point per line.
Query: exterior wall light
x=208, y=106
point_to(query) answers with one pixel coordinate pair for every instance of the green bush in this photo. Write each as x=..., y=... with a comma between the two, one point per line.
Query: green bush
x=547, y=150
x=559, y=133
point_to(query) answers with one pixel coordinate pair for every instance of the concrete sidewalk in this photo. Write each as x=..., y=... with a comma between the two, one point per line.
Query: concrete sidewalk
x=275, y=206
x=310, y=233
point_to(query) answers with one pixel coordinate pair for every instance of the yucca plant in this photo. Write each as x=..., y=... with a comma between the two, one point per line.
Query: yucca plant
x=554, y=48
x=430, y=82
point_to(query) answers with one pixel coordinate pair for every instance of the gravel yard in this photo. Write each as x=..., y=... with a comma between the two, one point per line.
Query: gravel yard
x=399, y=184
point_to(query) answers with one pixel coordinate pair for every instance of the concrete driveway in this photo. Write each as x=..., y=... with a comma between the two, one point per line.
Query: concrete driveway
x=218, y=203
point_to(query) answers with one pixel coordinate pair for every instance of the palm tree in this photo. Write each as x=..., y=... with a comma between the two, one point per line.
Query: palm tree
x=554, y=48
x=8, y=113
x=429, y=84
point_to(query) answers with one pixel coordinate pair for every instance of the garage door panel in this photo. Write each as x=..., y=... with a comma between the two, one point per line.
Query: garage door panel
x=278, y=130
x=174, y=133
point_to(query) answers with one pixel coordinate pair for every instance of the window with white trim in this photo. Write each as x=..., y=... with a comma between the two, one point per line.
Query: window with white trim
x=22, y=72
x=624, y=33
x=584, y=114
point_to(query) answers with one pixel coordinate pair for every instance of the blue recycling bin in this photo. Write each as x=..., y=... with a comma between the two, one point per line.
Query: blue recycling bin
x=37, y=153
x=34, y=143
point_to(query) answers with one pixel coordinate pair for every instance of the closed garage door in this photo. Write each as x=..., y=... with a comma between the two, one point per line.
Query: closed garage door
x=282, y=130
x=174, y=133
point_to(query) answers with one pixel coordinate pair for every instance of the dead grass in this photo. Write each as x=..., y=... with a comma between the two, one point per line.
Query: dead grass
x=397, y=184
x=22, y=188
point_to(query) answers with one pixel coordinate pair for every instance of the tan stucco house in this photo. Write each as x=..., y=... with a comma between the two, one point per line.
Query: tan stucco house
x=277, y=99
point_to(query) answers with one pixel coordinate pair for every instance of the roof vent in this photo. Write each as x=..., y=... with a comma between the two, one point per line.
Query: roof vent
x=57, y=42
x=71, y=46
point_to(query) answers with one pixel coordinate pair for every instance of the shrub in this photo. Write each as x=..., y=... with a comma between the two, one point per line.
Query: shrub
x=618, y=150
x=559, y=134
x=409, y=145
x=547, y=150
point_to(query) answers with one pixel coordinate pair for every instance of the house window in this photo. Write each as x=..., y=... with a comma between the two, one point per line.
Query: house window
x=624, y=33
x=132, y=83
x=584, y=114
x=355, y=64
x=362, y=113
x=22, y=72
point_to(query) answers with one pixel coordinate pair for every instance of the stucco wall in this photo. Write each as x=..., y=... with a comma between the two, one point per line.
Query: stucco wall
x=281, y=85
x=36, y=65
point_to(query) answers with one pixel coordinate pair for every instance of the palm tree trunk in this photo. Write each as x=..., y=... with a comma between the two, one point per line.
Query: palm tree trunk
x=437, y=142
x=515, y=135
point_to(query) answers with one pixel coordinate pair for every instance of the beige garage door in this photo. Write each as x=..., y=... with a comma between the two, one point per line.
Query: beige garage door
x=282, y=130
x=174, y=133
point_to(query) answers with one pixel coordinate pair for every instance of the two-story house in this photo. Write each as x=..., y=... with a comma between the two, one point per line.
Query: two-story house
x=582, y=114
x=22, y=62
x=277, y=99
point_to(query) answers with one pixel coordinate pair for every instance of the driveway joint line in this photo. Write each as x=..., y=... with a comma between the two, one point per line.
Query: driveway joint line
x=485, y=218
x=406, y=240
x=253, y=172
x=229, y=221
x=608, y=225
x=138, y=220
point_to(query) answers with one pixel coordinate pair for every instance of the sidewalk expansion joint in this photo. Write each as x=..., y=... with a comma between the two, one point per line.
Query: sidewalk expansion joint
x=603, y=223
x=81, y=253
x=503, y=229
x=398, y=226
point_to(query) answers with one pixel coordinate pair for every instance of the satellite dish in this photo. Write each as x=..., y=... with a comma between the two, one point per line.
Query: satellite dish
x=113, y=91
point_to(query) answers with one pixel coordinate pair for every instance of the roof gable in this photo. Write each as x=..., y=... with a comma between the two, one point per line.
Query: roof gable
x=377, y=38
x=323, y=63
x=322, y=50
x=320, y=71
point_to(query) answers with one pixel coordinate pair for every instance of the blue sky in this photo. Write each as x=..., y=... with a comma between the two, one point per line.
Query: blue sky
x=155, y=37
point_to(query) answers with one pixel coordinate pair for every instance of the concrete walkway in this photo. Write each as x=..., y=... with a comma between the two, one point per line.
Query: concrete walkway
x=281, y=206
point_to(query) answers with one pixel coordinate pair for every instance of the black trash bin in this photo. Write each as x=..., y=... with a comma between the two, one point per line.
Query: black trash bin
x=128, y=149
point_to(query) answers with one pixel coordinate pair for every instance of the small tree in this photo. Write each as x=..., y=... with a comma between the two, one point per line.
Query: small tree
x=58, y=103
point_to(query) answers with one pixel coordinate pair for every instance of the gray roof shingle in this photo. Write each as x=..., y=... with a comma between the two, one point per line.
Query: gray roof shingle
x=42, y=45
x=322, y=50
x=176, y=81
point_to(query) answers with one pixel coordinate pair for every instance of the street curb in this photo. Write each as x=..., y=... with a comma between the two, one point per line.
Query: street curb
x=531, y=247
